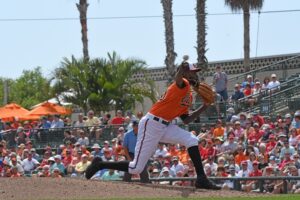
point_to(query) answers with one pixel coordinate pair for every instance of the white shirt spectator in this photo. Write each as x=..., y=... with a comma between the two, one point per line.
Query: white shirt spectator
x=243, y=173
x=176, y=168
x=84, y=141
x=161, y=152
x=29, y=165
x=273, y=84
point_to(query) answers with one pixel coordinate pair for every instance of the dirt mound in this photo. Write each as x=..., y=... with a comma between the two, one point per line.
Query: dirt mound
x=67, y=188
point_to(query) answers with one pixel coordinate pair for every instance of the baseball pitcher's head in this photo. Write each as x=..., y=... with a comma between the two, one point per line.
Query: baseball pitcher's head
x=190, y=72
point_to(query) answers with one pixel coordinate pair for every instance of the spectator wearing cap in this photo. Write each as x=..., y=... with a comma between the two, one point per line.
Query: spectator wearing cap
x=56, y=173
x=176, y=167
x=165, y=173
x=83, y=140
x=220, y=81
x=248, y=81
x=58, y=164
x=274, y=84
x=219, y=130
x=238, y=94
x=129, y=143
x=18, y=166
x=82, y=165
x=96, y=150
x=286, y=149
x=57, y=122
x=106, y=148
x=29, y=164
x=238, y=130
x=244, y=172
x=210, y=149
x=253, y=185
x=230, y=145
x=296, y=120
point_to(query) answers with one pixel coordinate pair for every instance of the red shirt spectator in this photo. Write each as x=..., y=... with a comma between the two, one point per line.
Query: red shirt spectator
x=119, y=119
x=210, y=149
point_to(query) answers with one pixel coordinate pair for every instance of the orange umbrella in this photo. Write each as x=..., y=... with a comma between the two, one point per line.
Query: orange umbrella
x=47, y=108
x=13, y=110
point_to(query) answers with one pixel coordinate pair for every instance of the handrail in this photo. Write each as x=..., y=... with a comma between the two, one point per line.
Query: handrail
x=265, y=91
x=262, y=68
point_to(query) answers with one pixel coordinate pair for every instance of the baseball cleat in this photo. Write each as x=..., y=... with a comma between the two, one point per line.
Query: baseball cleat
x=93, y=167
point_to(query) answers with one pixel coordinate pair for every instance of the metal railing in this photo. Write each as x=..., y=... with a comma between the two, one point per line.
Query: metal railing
x=265, y=68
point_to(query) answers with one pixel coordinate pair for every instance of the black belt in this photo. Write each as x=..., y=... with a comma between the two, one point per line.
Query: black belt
x=161, y=121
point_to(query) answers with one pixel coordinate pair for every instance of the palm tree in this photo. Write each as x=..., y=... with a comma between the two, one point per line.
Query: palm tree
x=246, y=6
x=169, y=38
x=201, y=34
x=82, y=8
x=102, y=84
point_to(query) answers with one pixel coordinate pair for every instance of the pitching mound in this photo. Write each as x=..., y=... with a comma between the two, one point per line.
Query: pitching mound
x=67, y=188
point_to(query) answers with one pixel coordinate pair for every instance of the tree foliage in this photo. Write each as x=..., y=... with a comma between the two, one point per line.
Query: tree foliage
x=30, y=88
x=102, y=84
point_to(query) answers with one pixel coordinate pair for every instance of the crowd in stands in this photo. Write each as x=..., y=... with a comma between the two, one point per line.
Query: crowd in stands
x=244, y=145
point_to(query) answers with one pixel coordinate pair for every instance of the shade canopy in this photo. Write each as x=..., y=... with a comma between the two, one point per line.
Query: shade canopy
x=47, y=108
x=13, y=110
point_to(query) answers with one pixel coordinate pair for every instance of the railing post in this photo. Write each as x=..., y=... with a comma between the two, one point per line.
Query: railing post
x=261, y=185
x=285, y=189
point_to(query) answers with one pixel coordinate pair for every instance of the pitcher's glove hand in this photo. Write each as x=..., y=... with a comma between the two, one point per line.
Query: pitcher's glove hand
x=206, y=92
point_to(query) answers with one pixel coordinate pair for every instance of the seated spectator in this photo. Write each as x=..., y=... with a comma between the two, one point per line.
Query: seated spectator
x=249, y=81
x=93, y=123
x=96, y=151
x=69, y=138
x=57, y=122
x=110, y=175
x=82, y=165
x=238, y=94
x=183, y=155
x=265, y=83
x=58, y=164
x=296, y=120
x=176, y=167
x=219, y=130
x=29, y=164
x=173, y=151
x=80, y=123
x=83, y=140
x=230, y=145
x=240, y=156
x=56, y=173
x=45, y=172
x=118, y=119
x=286, y=149
x=253, y=185
x=228, y=184
x=162, y=150
x=274, y=84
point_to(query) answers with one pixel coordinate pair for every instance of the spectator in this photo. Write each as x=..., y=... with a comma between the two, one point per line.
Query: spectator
x=232, y=173
x=118, y=119
x=35, y=155
x=230, y=145
x=120, y=135
x=286, y=149
x=238, y=94
x=265, y=83
x=58, y=164
x=296, y=121
x=240, y=156
x=183, y=155
x=219, y=130
x=176, y=167
x=110, y=175
x=249, y=80
x=69, y=138
x=56, y=173
x=253, y=185
x=161, y=150
x=244, y=172
x=83, y=140
x=80, y=123
x=18, y=166
x=82, y=165
x=274, y=84
x=220, y=81
x=29, y=164
x=96, y=151
x=57, y=122
x=93, y=124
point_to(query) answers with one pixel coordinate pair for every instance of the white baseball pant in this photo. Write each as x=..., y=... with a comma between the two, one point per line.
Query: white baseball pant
x=150, y=133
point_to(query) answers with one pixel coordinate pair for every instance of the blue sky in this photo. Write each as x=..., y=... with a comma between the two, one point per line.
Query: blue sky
x=28, y=44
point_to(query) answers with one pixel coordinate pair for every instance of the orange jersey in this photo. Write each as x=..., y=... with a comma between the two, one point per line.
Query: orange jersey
x=175, y=102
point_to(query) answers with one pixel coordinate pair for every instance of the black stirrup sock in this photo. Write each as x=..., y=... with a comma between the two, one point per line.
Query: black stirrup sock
x=197, y=161
x=120, y=165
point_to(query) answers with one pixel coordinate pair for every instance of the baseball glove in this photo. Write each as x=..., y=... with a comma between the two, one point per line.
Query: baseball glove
x=206, y=92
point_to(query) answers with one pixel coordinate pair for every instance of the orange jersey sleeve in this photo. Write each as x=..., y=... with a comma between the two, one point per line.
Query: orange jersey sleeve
x=175, y=102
